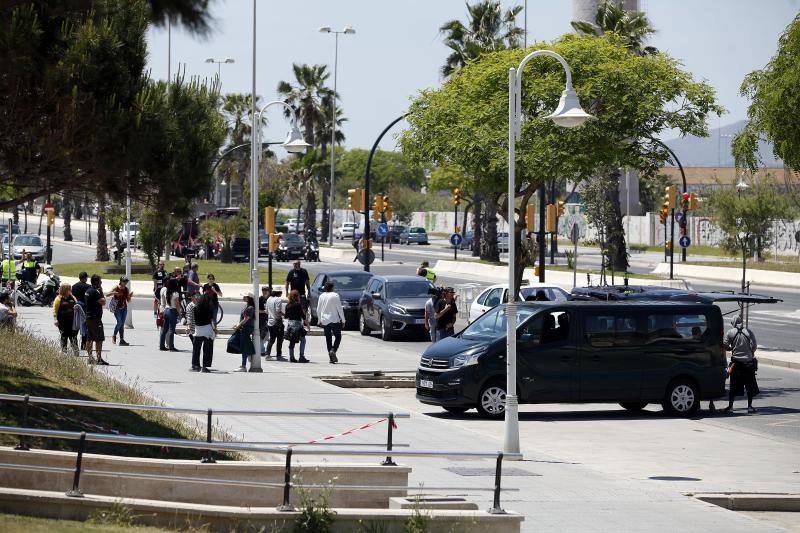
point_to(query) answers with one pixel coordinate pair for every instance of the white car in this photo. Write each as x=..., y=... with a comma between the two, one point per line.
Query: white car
x=30, y=243
x=346, y=230
x=496, y=294
x=134, y=230
x=294, y=225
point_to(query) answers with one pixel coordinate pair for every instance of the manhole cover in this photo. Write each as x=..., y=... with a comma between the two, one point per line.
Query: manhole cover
x=462, y=471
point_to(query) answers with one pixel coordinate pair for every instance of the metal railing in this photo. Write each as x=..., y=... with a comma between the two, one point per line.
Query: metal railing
x=390, y=417
x=287, y=485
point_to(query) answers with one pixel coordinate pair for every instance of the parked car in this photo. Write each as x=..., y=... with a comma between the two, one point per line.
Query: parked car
x=417, y=235
x=393, y=305
x=295, y=225
x=134, y=232
x=466, y=241
x=263, y=242
x=4, y=229
x=578, y=352
x=290, y=246
x=494, y=295
x=240, y=249
x=395, y=231
x=32, y=244
x=502, y=242
x=346, y=230
x=349, y=284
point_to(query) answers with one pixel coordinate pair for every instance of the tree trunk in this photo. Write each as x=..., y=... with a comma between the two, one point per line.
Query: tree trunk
x=102, y=241
x=489, y=249
x=16, y=215
x=310, y=214
x=326, y=191
x=615, y=233
x=477, y=221
x=67, y=213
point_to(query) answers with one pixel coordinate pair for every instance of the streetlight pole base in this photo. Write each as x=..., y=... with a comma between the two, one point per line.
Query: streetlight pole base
x=511, y=437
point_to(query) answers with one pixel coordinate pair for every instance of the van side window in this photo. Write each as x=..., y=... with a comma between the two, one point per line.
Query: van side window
x=612, y=330
x=547, y=328
x=669, y=326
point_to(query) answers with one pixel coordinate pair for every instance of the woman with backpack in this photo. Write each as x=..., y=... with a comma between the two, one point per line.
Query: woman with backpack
x=297, y=322
x=64, y=314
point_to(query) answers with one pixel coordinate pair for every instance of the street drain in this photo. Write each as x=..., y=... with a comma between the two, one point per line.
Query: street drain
x=517, y=472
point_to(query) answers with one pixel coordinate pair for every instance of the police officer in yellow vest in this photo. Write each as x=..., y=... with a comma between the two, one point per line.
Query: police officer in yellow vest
x=8, y=270
x=30, y=268
x=426, y=271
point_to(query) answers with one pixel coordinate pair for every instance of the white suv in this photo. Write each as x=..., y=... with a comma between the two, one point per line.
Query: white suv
x=496, y=294
x=294, y=225
x=345, y=231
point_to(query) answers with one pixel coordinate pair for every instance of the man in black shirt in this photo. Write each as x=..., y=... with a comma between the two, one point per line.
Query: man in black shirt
x=298, y=279
x=79, y=292
x=160, y=277
x=95, y=300
x=446, y=313
x=176, y=283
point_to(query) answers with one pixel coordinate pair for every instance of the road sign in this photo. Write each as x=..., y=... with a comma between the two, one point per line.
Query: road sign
x=574, y=234
x=366, y=256
x=685, y=241
x=383, y=229
x=679, y=217
x=455, y=239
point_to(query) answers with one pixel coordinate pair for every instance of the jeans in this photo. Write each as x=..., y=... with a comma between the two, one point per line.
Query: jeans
x=207, y=346
x=120, y=315
x=275, y=334
x=71, y=336
x=443, y=333
x=167, y=339
x=302, y=344
x=333, y=329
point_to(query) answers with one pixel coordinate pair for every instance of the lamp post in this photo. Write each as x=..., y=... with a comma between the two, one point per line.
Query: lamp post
x=293, y=144
x=568, y=114
x=348, y=30
x=129, y=315
x=742, y=187
x=219, y=63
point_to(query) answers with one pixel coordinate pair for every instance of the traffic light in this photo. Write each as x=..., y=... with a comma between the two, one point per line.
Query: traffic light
x=530, y=217
x=387, y=208
x=51, y=217
x=663, y=213
x=377, y=206
x=685, y=201
x=670, y=192
x=456, y=196
x=366, y=244
x=269, y=219
x=550, y=219
x=693, y=201
x=561, y=204
x=355, y=199
x=274, y=242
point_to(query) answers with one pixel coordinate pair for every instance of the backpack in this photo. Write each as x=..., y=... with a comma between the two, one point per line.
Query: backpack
x=112, y=304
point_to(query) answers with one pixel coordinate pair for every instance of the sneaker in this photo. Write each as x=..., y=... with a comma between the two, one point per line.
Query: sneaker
x=752, y=410
x=241, y=369
x=280, y=358
x=102, y=362
x=292, y=359
x=124, y=343
x=195, y=369
x=162, y=349
x=303, y=360
x=333, y=358
x=205, y=369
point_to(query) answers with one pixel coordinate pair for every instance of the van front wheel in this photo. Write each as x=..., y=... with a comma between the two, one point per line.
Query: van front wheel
x=633, y=406
x=682, y=398
x=492, y=400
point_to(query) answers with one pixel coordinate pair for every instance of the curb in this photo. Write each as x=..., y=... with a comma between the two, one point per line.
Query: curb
x=772, y=278
x=776, y=503
x=779, y=362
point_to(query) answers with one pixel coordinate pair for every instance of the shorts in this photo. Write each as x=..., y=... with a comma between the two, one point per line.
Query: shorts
x=94, y=330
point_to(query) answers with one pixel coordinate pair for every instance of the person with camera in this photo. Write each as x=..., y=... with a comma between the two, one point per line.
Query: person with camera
x=446, y=313
x=742, y=344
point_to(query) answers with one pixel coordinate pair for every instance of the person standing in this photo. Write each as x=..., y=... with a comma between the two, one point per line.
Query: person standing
x=742, y=344
x=190, y=318
x=331, y=318
x=275, y=309
x=160, y=277
x=79, y=293
x=430, y=311
x=94, y=320
x=8, y=315
x=297, y=322
x=298, y=280
x=170, y=302
x=446, y=313
x=204, y=333
x=263, y=317
x=192, y=281
x=122, y=295
x=214, y=293
x=64, y=315
x=8, y=271
x=245, y=329
x=30, y=268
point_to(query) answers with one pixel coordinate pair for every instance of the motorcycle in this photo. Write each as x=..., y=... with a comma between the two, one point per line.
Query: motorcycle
x=312, y=249
x=29, y=293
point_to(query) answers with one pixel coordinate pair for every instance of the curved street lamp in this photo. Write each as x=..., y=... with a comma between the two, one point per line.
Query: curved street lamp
x=567, y=114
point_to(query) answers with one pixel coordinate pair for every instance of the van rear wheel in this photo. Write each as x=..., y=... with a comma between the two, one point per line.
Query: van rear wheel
x=456, y=410
x=682, y=398
x=362, y=325
x=633, y=406
x=492, y=400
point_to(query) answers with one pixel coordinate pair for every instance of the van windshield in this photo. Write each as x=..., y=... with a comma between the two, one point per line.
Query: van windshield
x=492, y=324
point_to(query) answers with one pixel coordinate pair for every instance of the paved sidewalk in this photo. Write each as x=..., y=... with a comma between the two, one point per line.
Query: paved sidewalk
x=554, y=494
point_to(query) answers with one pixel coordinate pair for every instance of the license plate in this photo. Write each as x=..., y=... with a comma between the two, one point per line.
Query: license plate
x=419, y=321
x=425, y=383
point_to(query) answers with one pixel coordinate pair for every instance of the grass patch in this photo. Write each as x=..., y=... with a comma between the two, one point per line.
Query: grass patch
x=11, y=523
x=223, y=272
x=31, y=365
x=754, y=265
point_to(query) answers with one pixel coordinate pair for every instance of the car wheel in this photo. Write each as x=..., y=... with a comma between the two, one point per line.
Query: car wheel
x=633, y=406
x=362, y=325
x=682, y=398
x=386, y=330
x=492, y=400
x=456, y=410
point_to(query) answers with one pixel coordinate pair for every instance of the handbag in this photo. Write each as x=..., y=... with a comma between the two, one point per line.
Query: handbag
x=235, y=342
x=160, y=319
x=112, y=304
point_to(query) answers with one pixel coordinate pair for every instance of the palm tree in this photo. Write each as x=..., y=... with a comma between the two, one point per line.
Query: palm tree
x=633, y=26
x=487, y=29
x=236, y=109
x=323, y=135
x=308, y=95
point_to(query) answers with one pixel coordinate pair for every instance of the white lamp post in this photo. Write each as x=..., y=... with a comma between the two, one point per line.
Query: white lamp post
x=293, y=144
x=219, y=63
x=568, y=114
x=348, y=30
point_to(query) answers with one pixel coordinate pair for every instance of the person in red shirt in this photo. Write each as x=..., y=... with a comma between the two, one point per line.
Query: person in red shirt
x=122, y=295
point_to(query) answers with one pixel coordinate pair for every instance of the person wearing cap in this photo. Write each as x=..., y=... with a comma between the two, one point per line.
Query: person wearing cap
x=446, y=313
x=122, y=294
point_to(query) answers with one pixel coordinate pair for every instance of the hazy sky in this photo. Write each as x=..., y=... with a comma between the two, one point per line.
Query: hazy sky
x=397, y=49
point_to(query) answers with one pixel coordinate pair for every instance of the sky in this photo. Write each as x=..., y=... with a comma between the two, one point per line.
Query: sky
x=397, y=49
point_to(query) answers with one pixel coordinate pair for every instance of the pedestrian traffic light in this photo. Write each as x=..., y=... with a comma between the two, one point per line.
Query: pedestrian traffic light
x=51, y=218
x=670, y=192
x=685, y=201
x=561, y=204
x=457, y=196
x=269, y=219
x=377, y=205
x=274, y=242
x=530, y=217
x=387, y=207
x=550, y=219
x=355, y=199
x=693, y=201
x=663, y=213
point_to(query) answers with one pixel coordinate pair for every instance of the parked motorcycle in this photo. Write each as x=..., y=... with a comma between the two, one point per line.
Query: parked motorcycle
x=28, y=293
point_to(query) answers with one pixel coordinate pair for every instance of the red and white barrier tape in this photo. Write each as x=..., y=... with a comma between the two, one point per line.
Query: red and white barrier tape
x=348, y=432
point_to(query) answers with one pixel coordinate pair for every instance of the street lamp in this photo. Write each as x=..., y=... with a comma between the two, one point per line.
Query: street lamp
x=568, y=114
x=348, y=30
x=219, y=63
x=741, y=187
x=293, y=144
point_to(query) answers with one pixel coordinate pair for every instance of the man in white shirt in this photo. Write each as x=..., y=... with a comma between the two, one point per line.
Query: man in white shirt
x=275, y=306
x=331, y=318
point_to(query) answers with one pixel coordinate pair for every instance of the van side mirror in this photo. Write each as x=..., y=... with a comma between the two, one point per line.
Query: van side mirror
x=376, y=296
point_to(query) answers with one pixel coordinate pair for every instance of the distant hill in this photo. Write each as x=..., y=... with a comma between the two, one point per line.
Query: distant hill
x=714, y=151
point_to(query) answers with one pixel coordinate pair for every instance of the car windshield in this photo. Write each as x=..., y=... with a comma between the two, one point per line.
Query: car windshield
x=27, y=240
x=417, y=230
x=348, y=225
x=292, y=239
x=350, y=282
x=492, y=324
x=407, y=289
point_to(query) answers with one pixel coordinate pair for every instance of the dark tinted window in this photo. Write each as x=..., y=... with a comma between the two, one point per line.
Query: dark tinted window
x=408, y=289
x=350, y=282
x=492, y=324
x=292, y=238
x=612, y=329
x=546, y=328
x=676, y=326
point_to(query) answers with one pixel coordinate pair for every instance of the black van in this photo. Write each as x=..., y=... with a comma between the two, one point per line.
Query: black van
x=632, y=353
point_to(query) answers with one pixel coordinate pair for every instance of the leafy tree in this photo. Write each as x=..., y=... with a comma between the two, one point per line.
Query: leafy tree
x=651, y=191
x=465, y=122
x=224, y=229
x=115, y=219
x=632, y=26
x=67, y=210
x=487, y=29
x=191, y=14
x=323, y=134
x=388, y=169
